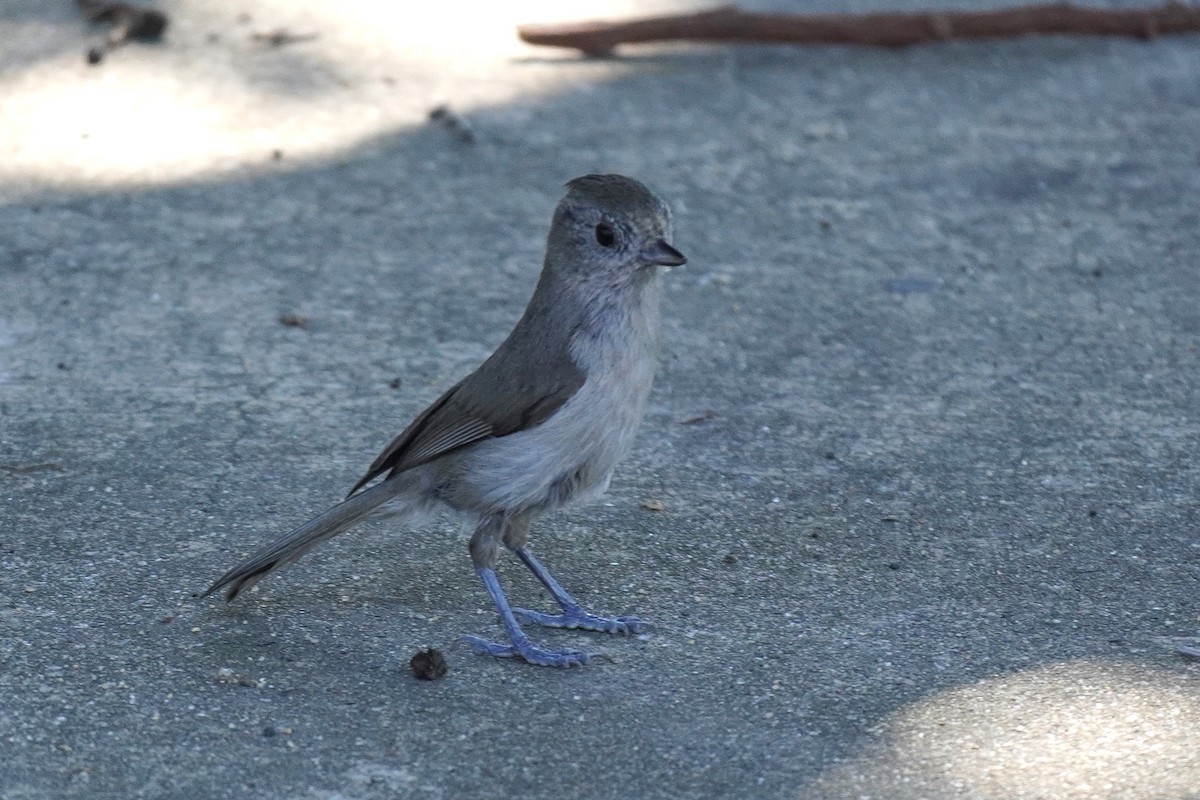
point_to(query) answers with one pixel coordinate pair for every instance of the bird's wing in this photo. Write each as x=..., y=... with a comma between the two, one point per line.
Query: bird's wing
x=486, y=404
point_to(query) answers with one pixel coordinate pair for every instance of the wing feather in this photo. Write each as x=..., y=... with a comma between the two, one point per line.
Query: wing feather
x=454, y=422
x=529, y=377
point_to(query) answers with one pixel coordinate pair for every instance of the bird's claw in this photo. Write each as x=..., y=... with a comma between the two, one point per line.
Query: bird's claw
x=583, y=620
x=526, y=650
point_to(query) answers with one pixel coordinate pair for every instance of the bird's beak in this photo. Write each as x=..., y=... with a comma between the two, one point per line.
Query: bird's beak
x=660, y=253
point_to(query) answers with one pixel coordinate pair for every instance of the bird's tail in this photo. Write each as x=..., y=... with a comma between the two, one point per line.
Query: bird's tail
x=297, y=542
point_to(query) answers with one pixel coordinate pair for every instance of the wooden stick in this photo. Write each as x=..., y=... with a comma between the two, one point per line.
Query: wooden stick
x=880, y=29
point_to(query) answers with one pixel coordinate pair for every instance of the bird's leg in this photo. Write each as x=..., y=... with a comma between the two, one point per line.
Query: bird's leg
x=521, y=646
x=573, y=614
x=484, y=550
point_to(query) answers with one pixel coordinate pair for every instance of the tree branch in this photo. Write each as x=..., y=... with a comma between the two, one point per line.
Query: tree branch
x=879, y=29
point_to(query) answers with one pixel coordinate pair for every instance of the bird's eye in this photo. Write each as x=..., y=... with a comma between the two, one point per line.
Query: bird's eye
x=605, y=235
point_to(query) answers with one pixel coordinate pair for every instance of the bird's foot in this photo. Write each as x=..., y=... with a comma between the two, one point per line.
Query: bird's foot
x=525, y=649
x=578, y=617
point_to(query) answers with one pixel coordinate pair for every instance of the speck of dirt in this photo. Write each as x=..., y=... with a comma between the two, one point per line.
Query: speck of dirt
x=429, y=665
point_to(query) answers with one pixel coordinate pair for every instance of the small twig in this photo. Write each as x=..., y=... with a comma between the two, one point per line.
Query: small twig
x=453, y=122
x=879, y=29
x=281, y=36
x=16, y=469
x=129, y=22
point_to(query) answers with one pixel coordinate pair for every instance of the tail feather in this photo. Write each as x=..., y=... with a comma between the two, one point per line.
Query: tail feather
x=295, y=543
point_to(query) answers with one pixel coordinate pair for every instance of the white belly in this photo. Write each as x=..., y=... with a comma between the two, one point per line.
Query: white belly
x=570, y=456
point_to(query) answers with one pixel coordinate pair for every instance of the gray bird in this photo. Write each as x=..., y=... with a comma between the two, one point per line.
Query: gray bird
x=541, y=423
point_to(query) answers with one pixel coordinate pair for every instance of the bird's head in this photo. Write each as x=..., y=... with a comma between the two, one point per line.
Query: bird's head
x=612, y=227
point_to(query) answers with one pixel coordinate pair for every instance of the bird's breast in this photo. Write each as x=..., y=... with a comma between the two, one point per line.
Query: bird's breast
x=572, y=454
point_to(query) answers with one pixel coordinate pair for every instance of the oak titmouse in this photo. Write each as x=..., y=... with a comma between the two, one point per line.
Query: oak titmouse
x=541, y=423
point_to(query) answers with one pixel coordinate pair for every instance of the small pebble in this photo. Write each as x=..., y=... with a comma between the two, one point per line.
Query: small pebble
x=429, y=665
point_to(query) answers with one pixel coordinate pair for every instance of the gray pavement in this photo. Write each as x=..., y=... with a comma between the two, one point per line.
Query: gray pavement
x=923, y=435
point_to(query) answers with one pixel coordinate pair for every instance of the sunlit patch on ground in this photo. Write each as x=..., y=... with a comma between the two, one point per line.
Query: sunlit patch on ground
x=216, y=95
x=1083, y=729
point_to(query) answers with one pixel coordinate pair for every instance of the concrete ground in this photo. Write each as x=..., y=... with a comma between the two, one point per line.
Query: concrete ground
x=921, y=449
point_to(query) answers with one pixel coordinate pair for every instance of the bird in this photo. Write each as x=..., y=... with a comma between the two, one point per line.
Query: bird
x=539, y=425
